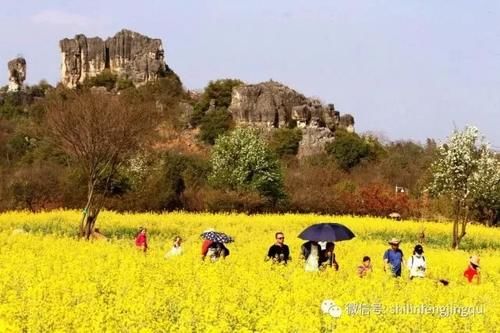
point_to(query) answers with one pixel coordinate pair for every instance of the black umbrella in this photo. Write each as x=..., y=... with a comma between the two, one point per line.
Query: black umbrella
x=327, y=232
x=218, y=237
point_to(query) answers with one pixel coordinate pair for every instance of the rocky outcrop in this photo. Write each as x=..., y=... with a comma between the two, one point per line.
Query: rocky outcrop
x=128, y=54
x=17, y=74
x=267, y=104
x=274, y=105
x=347, y=122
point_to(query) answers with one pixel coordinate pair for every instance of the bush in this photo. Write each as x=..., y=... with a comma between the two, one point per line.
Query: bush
x=35, y=187
x=285, y=141
x=348, y=149
x=241, y=161
x=234, y=201
x=104, y=79
x=213, y=124
x=220, y=91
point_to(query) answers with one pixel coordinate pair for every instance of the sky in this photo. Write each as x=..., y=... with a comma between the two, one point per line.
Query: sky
x=405, y=69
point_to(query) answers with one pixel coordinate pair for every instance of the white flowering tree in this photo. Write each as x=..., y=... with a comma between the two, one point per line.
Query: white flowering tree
x=485, y=185
x=241, y=160
x=465, y=171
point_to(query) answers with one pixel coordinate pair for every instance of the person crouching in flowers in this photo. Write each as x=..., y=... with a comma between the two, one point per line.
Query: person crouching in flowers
x=214, y=251
x=176, y=249
x=473, y=272
x=365, y=267
x=141, y=240
x=416, y=264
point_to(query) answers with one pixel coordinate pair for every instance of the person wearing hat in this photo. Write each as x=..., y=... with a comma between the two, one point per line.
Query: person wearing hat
x=394, y=258
x=416, y=264
x=472, y=270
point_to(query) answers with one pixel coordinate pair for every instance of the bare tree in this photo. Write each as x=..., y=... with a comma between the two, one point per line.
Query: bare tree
x=99, y=132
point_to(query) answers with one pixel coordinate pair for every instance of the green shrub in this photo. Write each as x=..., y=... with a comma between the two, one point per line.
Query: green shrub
x=214, y=124
x=348, y=149
x=104, y=79
x=285, y=141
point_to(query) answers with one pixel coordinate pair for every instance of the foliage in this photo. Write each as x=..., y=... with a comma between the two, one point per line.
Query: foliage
x=106, y=79
x=348, y=149
x=285, y=141
x=242, y=161
x=220, y=92
x=463, y=171
x=214, y=124
x=485, y=185
x=35, y=187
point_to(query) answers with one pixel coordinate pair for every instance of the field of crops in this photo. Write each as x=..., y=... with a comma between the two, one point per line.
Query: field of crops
x=52, y=282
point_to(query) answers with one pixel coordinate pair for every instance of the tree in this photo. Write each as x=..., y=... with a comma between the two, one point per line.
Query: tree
x=99, y=132
x=285, y=141
x=485, y=185
x=348, y=149
x=462, y=172
x=217, y=94
x=215, y=123
x=242, y=161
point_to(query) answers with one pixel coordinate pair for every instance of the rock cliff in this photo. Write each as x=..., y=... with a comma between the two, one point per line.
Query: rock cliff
x=17, y=73
x=128, y=54
x=274, y=105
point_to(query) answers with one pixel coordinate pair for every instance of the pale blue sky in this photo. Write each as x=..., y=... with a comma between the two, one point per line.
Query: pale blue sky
x=407, y=69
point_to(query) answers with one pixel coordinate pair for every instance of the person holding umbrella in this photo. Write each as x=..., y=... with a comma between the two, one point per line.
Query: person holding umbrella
x=279, y=251
x=322, y=232
x=394, y=258
x=327, y=255
x=213, y=245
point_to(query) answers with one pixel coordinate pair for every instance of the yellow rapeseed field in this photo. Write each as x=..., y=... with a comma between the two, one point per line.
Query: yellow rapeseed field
x=52, y=282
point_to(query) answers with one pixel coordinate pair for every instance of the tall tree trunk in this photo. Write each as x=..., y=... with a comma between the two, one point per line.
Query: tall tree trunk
x=88, y=207
x=455, y=241
x=464, y=225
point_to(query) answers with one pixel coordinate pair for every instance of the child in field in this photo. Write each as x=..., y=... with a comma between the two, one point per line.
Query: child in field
x=416, y=263
x=472, y=272
x=176, y=249
x=365, y=267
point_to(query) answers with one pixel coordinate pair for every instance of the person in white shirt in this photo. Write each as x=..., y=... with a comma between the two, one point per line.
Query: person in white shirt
x=176, y=248
x=416, y=264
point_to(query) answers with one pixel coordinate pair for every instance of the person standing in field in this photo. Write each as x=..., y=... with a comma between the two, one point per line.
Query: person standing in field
x=279, y=251
x=327, y=255
x=141, y=240
x=176, y=249
x=311, y=254
x=365, y=267
x=416, y=264
x=473, y=271
x=393, y=258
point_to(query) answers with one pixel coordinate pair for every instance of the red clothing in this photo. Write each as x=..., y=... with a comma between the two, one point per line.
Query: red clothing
x=141, y=241
x=470, y=272
x=204, y=246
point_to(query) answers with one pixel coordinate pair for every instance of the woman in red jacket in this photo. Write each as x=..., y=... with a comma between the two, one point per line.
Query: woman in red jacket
x=141, y=239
